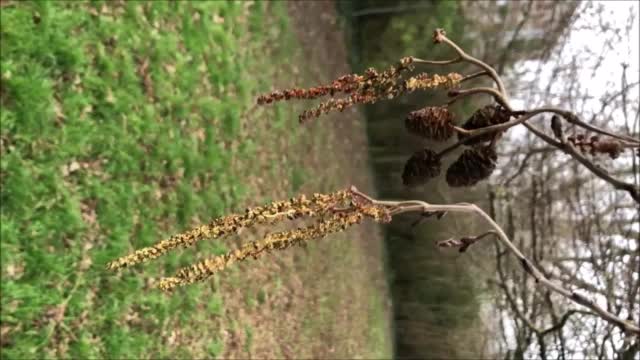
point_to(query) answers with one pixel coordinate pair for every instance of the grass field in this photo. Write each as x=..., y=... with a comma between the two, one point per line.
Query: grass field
x=125, y=122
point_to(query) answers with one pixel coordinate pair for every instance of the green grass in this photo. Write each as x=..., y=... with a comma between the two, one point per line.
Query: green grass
x=215, y=348
x=115, y=121
x=125, y=122
x=380, y=340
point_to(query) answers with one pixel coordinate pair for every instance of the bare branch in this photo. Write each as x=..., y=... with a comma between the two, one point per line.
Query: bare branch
x=474, y=75
x=436, y=62
x=463, y=243
x=599, y=172
x=439, y=36
x=400, y=207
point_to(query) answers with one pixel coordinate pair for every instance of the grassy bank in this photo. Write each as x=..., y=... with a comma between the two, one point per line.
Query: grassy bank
x=124, y=122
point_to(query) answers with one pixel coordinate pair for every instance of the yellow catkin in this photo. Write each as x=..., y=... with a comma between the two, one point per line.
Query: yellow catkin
x=276, y=241
x=276, y=211
x=423, y=81
x=333, y=212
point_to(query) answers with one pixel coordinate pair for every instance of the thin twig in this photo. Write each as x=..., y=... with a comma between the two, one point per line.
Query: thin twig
x=459, y=94
x=599, y=172
x=474, y=75
x=415, y=60
x=574, y=119
x=439, y=36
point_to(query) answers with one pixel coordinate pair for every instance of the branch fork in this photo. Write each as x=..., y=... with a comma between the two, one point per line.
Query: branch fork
x=400, y=207
x=499, y=94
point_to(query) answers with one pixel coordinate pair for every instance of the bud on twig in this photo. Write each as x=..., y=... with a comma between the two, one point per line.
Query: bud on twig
x=596, y=145
x=556, y=127
x=463, y=243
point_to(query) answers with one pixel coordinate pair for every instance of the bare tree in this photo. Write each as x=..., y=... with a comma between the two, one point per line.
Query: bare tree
x=570, y=223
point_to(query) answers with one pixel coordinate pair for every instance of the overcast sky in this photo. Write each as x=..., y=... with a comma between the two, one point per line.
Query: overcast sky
x=583, y=38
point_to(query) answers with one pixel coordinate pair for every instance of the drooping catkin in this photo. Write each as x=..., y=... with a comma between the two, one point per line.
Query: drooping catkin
x=274, y=241
x=381, y=88
x=278, y=210
x=332, y=213
x=368, y=88
x=424, y=81
x=346, y=84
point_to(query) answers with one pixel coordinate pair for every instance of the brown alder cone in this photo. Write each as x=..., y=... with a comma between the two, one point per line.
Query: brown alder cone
x=483, y=117
x=433, y=122
x=472, y=166
x=421, y=166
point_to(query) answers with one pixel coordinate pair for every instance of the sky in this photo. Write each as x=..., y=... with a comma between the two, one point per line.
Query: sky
x=581, y=39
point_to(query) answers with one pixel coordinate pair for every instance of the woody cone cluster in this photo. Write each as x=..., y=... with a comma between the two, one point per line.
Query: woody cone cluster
x=438, y=124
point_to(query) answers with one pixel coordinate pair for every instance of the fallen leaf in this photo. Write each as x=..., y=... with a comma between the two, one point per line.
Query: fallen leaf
x=143, y=71
x=89, y=215
x=200, y=134
x=110, y=98
x=173, y=338
x=70, y=168
x=171, y=69
x=56, y=313
x=5, y=330
x=85, y=263
x=15, y=271
x=57, y=110
x=86, y=110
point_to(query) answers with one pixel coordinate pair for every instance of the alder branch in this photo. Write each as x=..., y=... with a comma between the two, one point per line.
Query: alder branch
x=521, y=117
x=575, y=120
x=439, y=36
x=460, y=94
x=438, y=124
x=599, y=172
x=474, y=75
x=436, y=62
x=400, y=207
